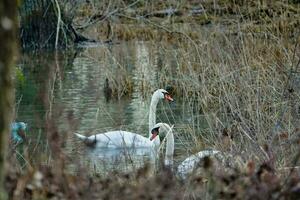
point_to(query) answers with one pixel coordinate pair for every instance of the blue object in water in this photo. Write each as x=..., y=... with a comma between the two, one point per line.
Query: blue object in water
x=15, y=127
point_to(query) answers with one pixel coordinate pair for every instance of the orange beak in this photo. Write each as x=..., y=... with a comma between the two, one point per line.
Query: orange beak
x=168, y=97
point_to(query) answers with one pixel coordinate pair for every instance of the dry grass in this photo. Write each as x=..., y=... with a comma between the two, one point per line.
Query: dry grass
x=254, y=182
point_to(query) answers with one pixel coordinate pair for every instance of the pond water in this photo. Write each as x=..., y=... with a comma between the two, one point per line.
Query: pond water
x=68, y=90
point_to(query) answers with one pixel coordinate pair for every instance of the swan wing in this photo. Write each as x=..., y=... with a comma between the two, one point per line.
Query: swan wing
x=120, y=139
x=188, y=165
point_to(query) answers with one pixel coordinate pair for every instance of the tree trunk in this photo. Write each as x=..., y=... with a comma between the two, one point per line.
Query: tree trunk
x=38, y=25
x=8, y=24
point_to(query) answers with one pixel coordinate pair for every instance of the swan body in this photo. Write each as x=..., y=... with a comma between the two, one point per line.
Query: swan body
x=107, y=160
x=116, y=156
x=18, y=131
x=115, y=139
x=125, y=139
x=189, y=164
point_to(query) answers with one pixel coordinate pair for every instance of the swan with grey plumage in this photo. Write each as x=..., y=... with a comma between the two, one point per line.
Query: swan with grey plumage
x=187, y=166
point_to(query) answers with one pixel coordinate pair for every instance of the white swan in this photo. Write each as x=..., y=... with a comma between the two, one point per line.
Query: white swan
x=157, y=95
x=124, y=139
x=157, y=130
x=189, y=164
x=145, y=151
x=119, y=137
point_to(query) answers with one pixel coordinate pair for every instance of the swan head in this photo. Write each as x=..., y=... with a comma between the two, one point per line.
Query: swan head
x=160, y=129
x=162, y=94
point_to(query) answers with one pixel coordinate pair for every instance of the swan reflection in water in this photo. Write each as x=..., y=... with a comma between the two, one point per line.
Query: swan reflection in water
x=106, y=160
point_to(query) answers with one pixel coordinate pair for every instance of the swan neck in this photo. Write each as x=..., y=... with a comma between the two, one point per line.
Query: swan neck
x=152, y=113
x=170, y=145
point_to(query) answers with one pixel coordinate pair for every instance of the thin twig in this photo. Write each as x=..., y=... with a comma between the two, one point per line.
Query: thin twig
x=58, y=23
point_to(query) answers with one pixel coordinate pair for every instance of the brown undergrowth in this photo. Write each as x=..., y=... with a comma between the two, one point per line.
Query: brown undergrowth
x=252, y=182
